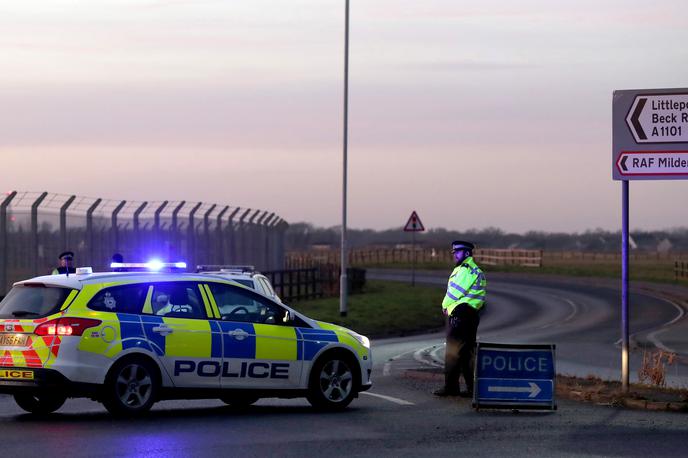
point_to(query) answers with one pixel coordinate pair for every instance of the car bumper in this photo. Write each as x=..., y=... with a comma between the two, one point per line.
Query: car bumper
x=43, y=380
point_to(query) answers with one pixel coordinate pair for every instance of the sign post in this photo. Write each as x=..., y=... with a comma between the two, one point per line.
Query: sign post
x=413, y=225
x=650, y=142
x=511, y=376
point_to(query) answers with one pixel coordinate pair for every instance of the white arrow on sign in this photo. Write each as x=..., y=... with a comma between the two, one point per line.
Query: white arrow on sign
x=533, y=389
x=661, y=118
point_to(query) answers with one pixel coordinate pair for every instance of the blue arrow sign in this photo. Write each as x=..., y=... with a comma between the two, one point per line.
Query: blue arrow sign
x=513, y=376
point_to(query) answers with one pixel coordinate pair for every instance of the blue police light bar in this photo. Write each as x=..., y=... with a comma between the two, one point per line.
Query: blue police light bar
x=153, y=265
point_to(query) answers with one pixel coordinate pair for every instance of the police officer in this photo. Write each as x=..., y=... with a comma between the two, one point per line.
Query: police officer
x=462, y=306
x=65, y=263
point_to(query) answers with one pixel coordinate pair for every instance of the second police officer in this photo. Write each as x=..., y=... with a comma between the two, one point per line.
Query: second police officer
x=462, y=307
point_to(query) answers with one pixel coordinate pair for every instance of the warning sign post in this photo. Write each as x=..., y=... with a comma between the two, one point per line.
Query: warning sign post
x=413, y=225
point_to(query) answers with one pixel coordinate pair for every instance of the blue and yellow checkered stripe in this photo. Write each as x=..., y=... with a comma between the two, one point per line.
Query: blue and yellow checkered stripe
x=262, y=341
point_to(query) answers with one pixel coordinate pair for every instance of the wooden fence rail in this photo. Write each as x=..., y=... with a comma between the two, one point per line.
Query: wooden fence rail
x=383, y=256
x=681, y=270
x=313, y=282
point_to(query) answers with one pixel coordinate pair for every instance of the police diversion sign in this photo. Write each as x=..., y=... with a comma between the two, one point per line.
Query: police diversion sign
x=650, y=134
x=514, y=376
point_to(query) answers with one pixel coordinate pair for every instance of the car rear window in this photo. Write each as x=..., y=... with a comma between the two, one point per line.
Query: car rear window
x=248, y=283
x=33, y=301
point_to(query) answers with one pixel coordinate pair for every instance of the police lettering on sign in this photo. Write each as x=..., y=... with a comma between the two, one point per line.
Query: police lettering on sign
x=514, y=376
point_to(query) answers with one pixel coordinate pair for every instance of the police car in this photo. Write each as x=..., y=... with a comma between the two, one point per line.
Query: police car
x=129, y=339
x=245, y=275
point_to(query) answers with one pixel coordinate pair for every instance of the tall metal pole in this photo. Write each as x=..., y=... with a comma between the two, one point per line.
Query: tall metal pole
x=624, y=286
x=343, y=278
x=413, y=261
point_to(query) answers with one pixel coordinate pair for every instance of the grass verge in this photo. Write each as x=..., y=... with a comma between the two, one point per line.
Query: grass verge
x=383, y=309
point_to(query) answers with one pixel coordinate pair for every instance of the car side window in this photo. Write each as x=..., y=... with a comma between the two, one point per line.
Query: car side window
x=266, y=287
x=120, y=299
x=239, y=304
x=176, y=300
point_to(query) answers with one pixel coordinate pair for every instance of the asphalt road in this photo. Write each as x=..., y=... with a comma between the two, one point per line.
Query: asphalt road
x=580, y=316
x=399, y=416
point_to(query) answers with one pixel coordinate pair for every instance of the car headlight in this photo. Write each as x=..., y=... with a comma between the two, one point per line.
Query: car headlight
x=363, y=340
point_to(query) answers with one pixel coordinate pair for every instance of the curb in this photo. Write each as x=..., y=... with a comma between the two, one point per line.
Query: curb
x=578, y=396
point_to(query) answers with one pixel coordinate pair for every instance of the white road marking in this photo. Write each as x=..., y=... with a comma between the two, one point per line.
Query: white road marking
x=652, y=337
x=420, y=356
x=401, y=402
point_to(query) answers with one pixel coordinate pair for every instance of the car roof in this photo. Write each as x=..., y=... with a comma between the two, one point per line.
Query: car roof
x=75, y=281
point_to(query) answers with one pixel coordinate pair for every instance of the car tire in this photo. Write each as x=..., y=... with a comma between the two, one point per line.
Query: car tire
x=332, y=384
x=40, y=404
x=237, y=400
x=131, y=387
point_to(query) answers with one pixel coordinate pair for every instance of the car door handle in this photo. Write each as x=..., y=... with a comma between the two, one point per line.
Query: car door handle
x=238, y=334
x=163, y=330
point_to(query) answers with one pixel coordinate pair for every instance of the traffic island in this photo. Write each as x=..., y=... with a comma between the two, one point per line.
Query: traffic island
x=594, y=390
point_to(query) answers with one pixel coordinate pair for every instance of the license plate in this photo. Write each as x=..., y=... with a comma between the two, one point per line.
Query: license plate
x=13, y=340
x=14, y=374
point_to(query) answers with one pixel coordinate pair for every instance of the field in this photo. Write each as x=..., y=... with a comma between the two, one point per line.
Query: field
x=383, y=309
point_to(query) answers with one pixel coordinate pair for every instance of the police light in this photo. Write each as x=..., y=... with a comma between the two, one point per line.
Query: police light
x=153, y=265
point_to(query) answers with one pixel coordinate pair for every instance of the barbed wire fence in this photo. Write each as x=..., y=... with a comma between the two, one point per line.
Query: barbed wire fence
x=35, y=227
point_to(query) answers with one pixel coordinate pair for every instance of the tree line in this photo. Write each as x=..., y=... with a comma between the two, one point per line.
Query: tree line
x=305, y=236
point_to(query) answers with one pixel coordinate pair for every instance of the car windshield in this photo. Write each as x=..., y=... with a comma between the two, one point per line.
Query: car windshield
x=248, y=283
x=33, y=301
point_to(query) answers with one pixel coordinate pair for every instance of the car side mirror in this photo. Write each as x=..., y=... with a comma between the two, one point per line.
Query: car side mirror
x=288, y=317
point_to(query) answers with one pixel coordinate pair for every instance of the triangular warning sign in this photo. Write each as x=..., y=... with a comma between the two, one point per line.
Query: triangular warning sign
x=414, y=224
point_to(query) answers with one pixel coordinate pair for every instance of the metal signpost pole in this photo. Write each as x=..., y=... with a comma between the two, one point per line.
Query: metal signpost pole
x=343, y=278
x=650, y=142
x=624, y=287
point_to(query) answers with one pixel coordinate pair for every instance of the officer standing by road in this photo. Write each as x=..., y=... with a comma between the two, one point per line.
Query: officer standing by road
x=462, y=306
x=65, y=263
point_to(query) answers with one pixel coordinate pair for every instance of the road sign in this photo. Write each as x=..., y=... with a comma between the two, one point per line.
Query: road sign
x=659, y=118
x=653, y=163
x=414, y=224
x=511, y=376
x=650, y=134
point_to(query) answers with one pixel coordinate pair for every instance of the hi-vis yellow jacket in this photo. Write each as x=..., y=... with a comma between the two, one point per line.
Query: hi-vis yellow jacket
x=466, y=285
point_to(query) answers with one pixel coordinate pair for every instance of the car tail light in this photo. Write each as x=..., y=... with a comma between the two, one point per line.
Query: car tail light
x=65, y=327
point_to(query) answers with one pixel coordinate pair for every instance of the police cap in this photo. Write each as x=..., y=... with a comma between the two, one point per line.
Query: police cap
x=68, y=255
x=461, y=245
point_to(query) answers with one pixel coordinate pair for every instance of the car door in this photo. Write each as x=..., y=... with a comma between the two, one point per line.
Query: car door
x=260, y=347
x=176, y=322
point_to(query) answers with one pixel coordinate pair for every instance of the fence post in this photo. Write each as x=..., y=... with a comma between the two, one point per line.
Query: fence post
x=34, y=232
x=191, y=236
x=258, y=244
x=137, y=235
x=176, y=238
x=89, y=231
x=63, y=221
x=232, y=233
x=157, y=238
x=3, y=240
x=206, y=233
x=265, y=230
x=220, y=251
x=115, y=225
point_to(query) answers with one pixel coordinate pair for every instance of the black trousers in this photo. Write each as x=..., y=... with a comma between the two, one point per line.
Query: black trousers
x=459, y=357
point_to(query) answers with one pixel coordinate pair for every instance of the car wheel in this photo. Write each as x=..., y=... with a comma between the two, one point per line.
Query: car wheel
x=40, y=403
x=236, y=400
x=332, y=385
x=131, y=387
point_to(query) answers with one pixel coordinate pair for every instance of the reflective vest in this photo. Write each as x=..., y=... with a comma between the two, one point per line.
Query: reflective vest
x=466, y=285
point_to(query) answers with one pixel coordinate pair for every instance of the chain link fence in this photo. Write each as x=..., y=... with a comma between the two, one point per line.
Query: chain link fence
x=35, y=227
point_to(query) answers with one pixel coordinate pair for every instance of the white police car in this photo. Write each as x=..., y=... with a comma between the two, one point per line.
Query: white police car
x=129, y=339
x=245, y=275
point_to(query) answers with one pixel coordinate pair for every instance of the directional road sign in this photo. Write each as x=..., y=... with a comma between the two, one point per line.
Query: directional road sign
x=414, y=224
x=650, y=134
x=511, y=376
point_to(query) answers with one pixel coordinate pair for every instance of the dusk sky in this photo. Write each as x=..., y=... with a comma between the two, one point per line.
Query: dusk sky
x=474, y=114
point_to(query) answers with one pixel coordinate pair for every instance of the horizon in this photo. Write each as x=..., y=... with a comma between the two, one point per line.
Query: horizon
x=490, y=115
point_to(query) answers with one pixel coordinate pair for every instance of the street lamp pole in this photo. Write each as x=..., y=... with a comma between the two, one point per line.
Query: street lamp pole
x=343, y=258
